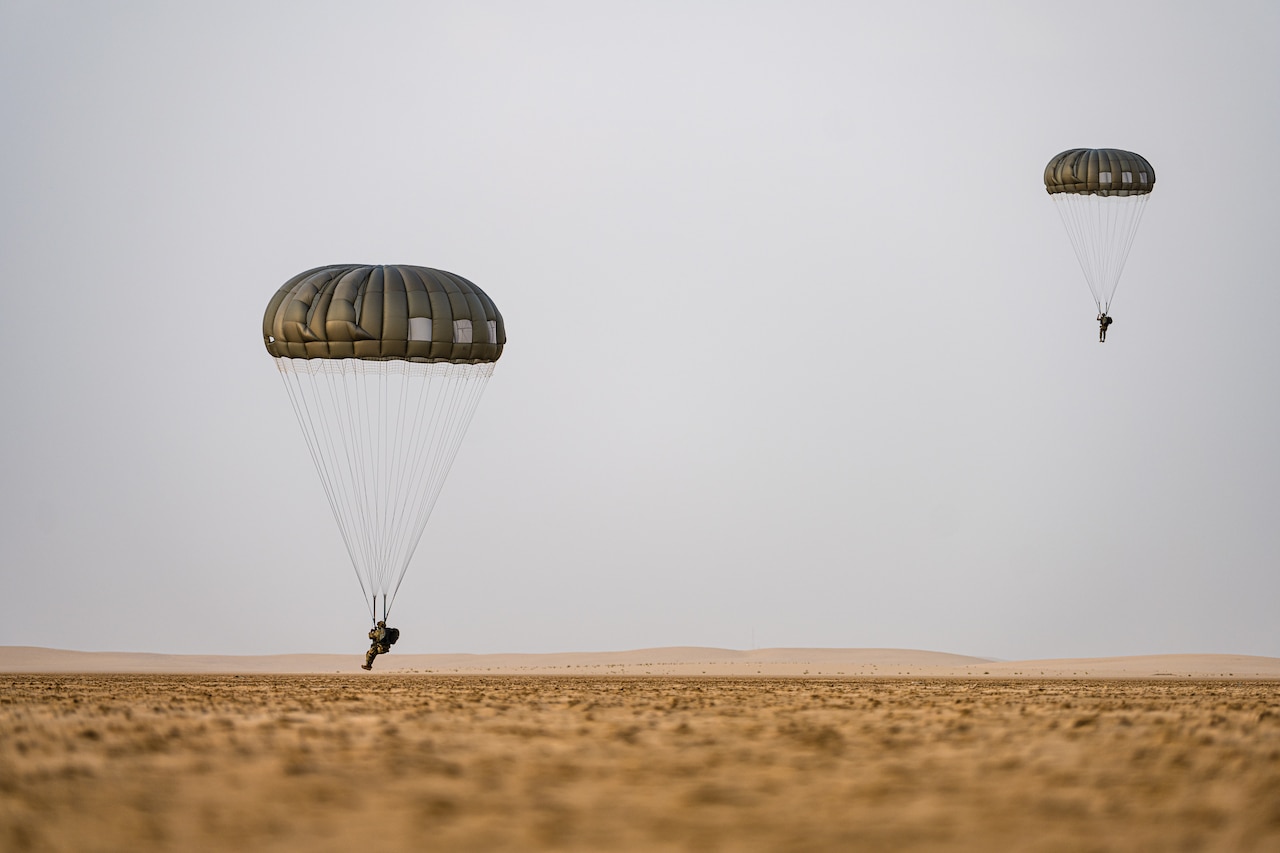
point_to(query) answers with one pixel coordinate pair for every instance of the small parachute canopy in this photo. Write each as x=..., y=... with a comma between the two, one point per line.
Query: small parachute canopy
x=403, y=312
x=1099, y=171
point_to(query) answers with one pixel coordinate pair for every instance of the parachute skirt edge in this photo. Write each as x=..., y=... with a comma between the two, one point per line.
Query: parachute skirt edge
x=367, y=366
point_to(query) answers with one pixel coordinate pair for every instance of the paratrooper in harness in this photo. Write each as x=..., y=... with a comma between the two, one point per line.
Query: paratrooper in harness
x=382, y=639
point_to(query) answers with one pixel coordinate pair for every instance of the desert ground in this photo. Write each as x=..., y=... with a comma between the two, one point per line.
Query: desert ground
x=1185, y=756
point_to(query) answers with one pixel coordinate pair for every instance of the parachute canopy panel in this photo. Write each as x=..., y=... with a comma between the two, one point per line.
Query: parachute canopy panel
x=1099, y=171
x=392, y=312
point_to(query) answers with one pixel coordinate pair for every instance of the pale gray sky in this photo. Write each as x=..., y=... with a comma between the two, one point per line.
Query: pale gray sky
x=799, y=353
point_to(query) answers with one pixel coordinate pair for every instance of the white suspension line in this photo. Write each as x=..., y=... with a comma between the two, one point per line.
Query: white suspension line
x=347, y=428
x=298, y=400
x=461, y=392
x=383, y=438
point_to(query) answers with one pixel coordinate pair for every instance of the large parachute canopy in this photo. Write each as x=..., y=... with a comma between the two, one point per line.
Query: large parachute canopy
x=385, y=366
x=1100, y=194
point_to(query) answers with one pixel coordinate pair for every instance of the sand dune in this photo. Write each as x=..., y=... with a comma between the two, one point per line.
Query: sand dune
x=678, y=660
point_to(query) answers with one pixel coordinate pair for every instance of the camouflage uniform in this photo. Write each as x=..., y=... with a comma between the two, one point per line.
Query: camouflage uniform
x=1103, y=322
x=383, y=639
x=380, y=646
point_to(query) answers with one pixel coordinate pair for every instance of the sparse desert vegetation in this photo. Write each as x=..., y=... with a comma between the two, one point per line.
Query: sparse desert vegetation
x=469, y=763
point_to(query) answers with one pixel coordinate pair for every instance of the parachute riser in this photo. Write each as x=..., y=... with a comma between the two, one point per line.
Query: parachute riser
x=374, y=608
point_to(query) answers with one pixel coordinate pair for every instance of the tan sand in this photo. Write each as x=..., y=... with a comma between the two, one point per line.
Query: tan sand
x=680, y=660
x=395, y=762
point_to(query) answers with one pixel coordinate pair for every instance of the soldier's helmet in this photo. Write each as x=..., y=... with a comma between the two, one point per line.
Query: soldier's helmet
x=382, y=624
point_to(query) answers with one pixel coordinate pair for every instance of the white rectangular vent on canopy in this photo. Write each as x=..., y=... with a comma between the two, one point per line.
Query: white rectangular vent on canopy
x=419, y=328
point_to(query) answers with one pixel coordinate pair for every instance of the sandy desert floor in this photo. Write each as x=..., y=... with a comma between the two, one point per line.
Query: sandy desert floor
x=472, y=762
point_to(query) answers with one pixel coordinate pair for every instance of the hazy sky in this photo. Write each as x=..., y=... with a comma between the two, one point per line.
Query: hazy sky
x=799, y=353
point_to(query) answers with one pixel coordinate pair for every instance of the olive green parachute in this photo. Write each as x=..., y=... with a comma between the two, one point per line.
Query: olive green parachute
x=385, y=366
x=383, y=312
x=1100, y=194
x=1099, y=171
